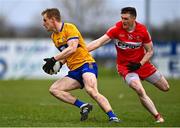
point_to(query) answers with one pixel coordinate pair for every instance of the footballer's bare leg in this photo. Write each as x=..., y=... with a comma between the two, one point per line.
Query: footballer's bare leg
x=158, y=80
x=60, y=89
x=162, y=84
x=90, y=82
x=144, y=98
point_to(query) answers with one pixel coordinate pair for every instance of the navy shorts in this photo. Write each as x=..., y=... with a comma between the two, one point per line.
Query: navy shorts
x=77, y=73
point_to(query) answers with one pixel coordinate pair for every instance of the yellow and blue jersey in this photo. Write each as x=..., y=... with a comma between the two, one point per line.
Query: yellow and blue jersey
x=81, y=56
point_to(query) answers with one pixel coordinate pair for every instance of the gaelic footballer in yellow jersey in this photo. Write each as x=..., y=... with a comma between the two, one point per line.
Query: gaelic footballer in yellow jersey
x=83, y=69
x=68, y=32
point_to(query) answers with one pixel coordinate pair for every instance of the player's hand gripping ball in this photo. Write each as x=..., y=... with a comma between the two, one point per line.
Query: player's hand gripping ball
x=51, y=66
x=132, y=66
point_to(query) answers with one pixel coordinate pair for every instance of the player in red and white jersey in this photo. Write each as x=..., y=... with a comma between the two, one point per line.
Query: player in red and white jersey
x=134, y=49
x=130, y=47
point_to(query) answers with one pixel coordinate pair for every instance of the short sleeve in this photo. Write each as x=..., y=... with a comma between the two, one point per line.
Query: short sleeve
x=72, y=32
x=147, y=37
x=111, y=32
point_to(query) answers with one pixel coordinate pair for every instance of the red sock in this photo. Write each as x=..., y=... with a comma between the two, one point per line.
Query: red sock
x=157, y=116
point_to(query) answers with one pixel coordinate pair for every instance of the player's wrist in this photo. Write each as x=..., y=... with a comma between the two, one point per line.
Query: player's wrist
x=132, y=66
x=141, y=63
x=54, y=59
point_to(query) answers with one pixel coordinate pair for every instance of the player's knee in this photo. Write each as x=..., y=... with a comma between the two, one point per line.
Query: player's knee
x=142, y=95
x=53, y=90
x=139, y=90
x=57, y=93
x=166, y=87
x=163, y=84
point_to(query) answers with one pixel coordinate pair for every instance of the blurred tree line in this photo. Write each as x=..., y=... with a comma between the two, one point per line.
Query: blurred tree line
x=169, y=31
x=85, y=15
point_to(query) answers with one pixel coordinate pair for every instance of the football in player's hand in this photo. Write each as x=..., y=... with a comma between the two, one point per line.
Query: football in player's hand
x=57, y=67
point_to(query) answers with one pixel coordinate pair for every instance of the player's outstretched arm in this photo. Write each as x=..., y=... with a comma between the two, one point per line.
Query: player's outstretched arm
x=98, y=43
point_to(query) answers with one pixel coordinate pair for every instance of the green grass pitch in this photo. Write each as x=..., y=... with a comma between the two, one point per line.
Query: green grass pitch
x=27, y=103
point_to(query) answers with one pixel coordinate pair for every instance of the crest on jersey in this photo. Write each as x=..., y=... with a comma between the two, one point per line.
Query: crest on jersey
x=60, y=40
x=130, y=37
x=121, y=35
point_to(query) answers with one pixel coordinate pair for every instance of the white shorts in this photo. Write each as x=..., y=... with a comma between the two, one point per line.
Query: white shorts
x=156, y=76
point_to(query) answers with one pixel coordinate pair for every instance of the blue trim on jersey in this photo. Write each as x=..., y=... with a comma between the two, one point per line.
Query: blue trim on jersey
x=62, y=47
x=77, y=73
x=72, y=38
x=62, y=27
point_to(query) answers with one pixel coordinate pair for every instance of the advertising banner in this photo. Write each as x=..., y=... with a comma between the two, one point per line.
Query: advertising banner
x=24, y=59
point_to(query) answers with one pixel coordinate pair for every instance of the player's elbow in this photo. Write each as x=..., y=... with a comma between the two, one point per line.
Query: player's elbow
x=166, y=87
x=151, y=52
x=71, y=50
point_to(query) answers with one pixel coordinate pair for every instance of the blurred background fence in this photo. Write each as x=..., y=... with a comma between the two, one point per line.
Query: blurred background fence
x=24, y=42
x=23, y=58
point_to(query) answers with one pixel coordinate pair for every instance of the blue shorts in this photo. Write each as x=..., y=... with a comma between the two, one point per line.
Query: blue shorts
x=77, y=73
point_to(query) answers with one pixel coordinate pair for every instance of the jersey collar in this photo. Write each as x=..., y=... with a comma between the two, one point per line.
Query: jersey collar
x=61, y=27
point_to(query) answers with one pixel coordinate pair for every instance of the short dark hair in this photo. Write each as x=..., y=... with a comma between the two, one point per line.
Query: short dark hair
x=130, y=10
x=52, y=12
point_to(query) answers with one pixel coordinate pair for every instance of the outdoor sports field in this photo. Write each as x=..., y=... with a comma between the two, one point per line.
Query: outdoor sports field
x=28, y=103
